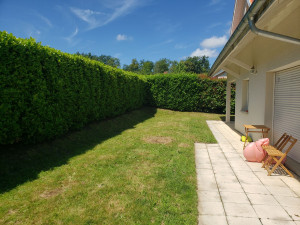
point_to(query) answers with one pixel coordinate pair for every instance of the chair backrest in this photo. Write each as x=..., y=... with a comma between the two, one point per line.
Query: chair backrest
x=283, y=140
x=292, y=142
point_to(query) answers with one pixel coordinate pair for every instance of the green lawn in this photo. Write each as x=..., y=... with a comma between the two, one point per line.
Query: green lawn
x=134, y=169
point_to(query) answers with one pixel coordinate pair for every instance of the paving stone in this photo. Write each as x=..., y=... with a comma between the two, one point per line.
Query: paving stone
x=255, y=189
x=206, y=178
x=288, y=201
x=274, y=212
x=204, y=166
x=234, y=197
x=277, y=222
x=239, y=210
x=273, y=181
x=262, y=199
x=231, y=187
x=200, y=146
x=211, y=220
x=204, y=171
x=242, y=221
x=233, y=181
x=281, y=191
x=293, y=211
x=251, y=180
x=245, y=174
x=209, y=196
x=207, y=186
x=226, y=178
x=211, y=208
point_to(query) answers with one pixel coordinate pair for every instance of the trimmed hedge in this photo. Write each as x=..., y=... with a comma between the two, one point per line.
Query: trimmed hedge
x=187, y=92
x=44, y=92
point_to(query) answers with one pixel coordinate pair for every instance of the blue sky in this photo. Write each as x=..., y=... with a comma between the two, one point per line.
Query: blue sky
x=127, y=29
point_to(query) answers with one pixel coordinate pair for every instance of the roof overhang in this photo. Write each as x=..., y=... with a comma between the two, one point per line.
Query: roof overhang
x=242, y=32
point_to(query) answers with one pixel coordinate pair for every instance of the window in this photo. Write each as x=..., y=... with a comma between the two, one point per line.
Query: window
x=245, y=95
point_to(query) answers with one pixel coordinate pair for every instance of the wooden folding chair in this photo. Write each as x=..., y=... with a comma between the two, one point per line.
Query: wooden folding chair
x=277, y=155
x=282, y=141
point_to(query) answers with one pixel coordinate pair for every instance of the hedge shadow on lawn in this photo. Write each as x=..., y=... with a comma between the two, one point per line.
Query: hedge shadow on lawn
x=22, y=163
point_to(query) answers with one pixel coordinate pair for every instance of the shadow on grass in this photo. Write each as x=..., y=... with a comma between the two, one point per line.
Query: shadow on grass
x=19, y=163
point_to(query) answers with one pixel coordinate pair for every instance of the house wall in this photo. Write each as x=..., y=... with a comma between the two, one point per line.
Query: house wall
x=261, y=85
x=261, y=88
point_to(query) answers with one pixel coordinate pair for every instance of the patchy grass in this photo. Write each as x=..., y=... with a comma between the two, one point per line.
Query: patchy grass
x=135, y=169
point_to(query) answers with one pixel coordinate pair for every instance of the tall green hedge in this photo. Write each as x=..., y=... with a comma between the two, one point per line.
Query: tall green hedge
x=44, y=92
x=187, y=92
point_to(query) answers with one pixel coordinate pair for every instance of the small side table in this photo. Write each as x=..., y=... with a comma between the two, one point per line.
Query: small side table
x=262, y=129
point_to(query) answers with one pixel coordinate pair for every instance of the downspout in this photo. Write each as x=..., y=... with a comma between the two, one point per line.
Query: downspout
x=234, y=38
x=271, y=35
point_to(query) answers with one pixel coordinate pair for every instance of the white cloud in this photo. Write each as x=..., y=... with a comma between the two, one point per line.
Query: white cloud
x=46, y=20
x=70, y=38
x=180, y=46
x=97, y=19
x=123, y=37
x=214, y=42
x=205, y=52
x=214, y=2
x=87, y=15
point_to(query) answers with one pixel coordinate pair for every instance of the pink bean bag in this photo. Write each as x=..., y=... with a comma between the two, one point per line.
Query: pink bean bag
x=254, y=152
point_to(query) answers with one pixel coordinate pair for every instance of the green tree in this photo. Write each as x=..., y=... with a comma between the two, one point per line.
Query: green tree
x=162, y=65
x=106, y=59
x=146, y=67
x=133, y=67
x=196, y=64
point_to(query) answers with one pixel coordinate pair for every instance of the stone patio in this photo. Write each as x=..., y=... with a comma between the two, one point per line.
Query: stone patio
x=233, y=191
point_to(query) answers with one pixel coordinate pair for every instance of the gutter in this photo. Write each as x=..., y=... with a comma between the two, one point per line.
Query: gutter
x=272, y=35
x=256, y=10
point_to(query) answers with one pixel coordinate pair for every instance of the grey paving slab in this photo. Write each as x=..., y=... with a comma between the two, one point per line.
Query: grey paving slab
x=288, y=201
x=293, y=211
x=277, y=222
x=211, y=208
x=262, y=199
x=234, y=197
x=281, y=191
x=209, y=196
x=220, y=178
x=212, y=220
x=255, y=189
x=234, y=191
x=239, y=210
x=274, y=212
x=243, y=221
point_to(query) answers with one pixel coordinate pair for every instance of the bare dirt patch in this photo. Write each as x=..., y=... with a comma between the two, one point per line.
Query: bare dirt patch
x=158, y=140
x=184, y=145
x=51, y=193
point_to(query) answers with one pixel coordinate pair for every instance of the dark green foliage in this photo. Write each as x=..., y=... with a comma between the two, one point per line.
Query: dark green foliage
x=133, y=67
x=162, y=66
x=106, y=59
x=44, y=92
x=194, y=64
x=187, y=92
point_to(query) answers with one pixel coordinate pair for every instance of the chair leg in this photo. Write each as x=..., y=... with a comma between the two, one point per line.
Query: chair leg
x=278, y=162
x=265, y=163
x=286, y=170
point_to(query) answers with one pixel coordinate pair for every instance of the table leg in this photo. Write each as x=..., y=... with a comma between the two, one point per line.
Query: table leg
x=246, y=130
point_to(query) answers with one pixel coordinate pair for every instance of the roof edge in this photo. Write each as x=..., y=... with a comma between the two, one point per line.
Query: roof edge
x=256, y=10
